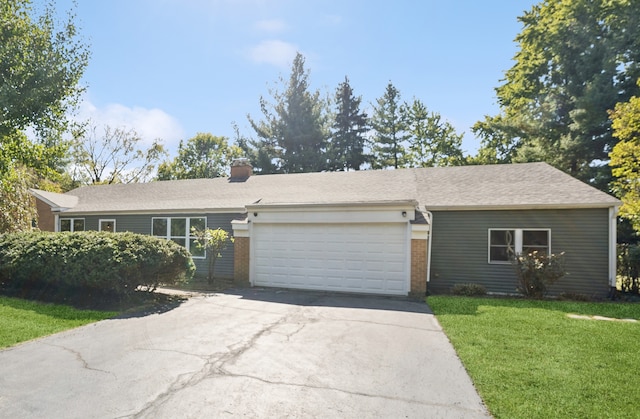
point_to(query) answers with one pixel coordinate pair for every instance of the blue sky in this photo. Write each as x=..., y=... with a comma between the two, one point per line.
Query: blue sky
x=172, y=68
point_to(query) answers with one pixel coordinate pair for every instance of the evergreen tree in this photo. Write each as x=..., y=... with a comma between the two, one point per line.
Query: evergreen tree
x=388, y=142
x=346, y=148
x=292, y=136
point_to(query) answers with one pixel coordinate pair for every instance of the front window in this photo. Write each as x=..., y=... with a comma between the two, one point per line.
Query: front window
x=72, y=224
x=505, y=244
x=108, y=225
x=178, y=229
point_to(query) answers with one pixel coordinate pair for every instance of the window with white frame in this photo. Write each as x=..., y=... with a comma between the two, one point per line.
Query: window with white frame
x=71, y=224
x=504, y=244
x=107, y=225
x=178, y=229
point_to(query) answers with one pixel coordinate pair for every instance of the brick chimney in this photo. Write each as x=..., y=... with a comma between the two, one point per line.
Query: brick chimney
x=241, y=170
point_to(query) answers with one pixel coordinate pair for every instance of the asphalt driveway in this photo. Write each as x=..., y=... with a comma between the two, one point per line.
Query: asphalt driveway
x=251, y=353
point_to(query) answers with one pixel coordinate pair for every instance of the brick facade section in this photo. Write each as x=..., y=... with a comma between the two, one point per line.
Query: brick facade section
x=46, y=219
x=418, y=268
x=241, y=260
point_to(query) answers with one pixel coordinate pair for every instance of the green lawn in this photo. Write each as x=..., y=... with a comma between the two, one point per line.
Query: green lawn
x=22, y=320
x=528, y=359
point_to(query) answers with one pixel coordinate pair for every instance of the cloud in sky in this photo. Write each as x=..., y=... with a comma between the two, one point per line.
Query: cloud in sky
x=150, y=124
x=274, y=52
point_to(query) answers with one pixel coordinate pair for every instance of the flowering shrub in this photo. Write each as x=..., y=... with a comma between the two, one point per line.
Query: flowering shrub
x=536, y=271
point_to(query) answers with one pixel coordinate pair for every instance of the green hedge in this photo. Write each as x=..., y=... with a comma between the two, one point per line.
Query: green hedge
x=115, y=263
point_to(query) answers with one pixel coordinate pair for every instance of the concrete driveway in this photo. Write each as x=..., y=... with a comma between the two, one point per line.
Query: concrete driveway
x=251, y=353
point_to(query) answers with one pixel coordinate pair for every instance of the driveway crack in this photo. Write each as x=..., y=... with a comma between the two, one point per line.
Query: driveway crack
x=80, y=359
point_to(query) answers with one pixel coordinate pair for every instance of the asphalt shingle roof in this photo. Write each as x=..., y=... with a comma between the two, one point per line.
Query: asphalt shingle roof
x=535, y=185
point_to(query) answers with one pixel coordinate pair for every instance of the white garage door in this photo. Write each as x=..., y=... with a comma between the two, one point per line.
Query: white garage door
x=366, y=258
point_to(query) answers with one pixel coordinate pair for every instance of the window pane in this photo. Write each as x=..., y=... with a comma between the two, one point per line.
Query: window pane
x=502, y=237
x=65, y=225
x=159, y=227
x=178, y=227
x=181, y=242
x=197, y=223
x=107, y=226
x=195, y=250
x=535, y=238
x=499, y=254
x=78, y=224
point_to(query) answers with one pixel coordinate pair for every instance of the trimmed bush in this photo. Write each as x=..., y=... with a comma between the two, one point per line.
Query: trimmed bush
x=469, y=290
x=94, y=262
x=536, y=271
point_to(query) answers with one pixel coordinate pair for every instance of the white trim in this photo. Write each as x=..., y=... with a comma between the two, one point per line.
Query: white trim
x=429, y=240
x=158, y=212
x=508, y=207
x=56, y=220
x=388, y=212
x=106, y=220
x=72, y=219
x=240, y=228
x=613, y=247
x=517, y=242
x=420, y=231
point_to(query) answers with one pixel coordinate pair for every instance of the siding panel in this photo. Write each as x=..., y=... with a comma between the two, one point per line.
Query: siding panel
x=460, y=248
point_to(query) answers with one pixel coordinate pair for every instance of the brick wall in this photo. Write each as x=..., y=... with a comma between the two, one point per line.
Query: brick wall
x=241, y=260
x=46, y=220
x=418, y=268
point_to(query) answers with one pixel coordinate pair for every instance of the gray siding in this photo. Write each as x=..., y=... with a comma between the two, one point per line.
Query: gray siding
x=141, y=223
x=460, y=247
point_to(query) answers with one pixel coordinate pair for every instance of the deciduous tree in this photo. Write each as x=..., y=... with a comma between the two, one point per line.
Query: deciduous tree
x=432, y=141
x=203, y=156
x=576, y=60
x=625, y=158
x=114, y=155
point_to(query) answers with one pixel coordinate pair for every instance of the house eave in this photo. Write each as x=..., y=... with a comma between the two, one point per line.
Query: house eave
x=234, y=210
x=520, y=207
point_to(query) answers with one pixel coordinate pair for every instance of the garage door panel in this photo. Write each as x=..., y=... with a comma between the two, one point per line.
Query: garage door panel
x=369, y=258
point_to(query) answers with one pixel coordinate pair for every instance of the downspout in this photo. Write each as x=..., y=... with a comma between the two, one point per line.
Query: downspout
x=430, y=221
x=613, y=256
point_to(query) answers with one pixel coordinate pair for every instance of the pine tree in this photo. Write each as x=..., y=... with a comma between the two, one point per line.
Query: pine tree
x=388, y=142
x=346, y=148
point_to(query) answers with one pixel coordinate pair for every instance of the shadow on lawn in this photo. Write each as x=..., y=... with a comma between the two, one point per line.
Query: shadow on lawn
x=138, y=304
x=471, y=306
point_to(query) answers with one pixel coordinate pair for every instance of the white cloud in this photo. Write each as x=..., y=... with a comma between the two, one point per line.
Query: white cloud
x=274, y=52
x=150, y=124
x=271, y=26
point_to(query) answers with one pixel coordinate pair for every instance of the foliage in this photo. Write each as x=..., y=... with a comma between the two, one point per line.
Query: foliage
x=432, y=141
x=536, y=271
x=469, y=290
x=17, y=207
x=346, y=147
x=113, y=156
x=625, y=158
x=91, y=262
x=628, y=267
x=292, y=136
x=388, y=143
x=203, y=156
x=22, y=320
x=576, y=60
x=41, y=63
x=528, y=359
x=213, y=242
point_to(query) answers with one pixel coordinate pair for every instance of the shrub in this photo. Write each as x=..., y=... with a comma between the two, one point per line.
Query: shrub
x=469, y=290
x=94, y=261
x=629, y=268
x=536, y=271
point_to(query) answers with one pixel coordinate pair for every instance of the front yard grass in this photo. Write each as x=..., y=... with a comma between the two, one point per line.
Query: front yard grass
x=529, y=359
x=22, y=320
